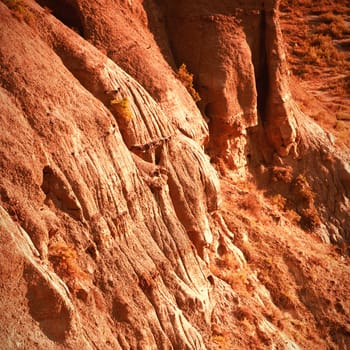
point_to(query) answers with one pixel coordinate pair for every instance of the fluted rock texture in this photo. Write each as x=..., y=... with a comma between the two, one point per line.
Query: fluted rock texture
x=112, y=217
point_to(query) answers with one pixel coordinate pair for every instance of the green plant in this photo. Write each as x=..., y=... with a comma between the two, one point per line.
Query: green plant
x=122, y=109
x=186, y=79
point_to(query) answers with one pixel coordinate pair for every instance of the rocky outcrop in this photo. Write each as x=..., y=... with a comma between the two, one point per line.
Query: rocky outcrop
x=236, y=53
x=114, y=234
x=82, y=186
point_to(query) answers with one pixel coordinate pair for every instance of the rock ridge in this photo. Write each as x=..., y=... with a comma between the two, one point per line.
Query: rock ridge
x=123, y=226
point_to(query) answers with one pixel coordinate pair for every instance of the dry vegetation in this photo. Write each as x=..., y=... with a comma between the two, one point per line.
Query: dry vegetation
x=322, y=52
x=317, y=35
x=64, y=260
x=186, y=79
x=226, y=268
x=19, y=9
x=300, y=206
x=284, y=174
x=298, y=271
x=305, y=200
x=122, y=109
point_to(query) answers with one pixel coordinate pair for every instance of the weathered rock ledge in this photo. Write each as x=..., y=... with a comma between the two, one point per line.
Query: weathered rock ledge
x=115, y=233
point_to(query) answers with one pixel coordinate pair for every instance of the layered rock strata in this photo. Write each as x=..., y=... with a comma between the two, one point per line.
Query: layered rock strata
x=111, y=211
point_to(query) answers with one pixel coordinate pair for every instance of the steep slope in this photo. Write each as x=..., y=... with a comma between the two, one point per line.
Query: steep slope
x=82, y=187
x=115, y=233
x=317, y=35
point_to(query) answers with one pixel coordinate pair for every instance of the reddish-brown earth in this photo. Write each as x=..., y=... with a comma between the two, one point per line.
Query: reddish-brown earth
x=132, y=217
x=317, y=36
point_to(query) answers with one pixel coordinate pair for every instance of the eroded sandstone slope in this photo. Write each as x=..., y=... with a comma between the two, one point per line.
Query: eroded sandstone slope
x=317, y=35
x=115, y=233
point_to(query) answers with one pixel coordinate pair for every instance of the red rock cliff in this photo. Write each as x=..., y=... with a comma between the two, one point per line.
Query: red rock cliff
x=117, y=230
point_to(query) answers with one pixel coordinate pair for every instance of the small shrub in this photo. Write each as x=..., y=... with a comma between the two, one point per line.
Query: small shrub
x=47, y=10
x=284, y=174
x=186, y=79
x=293, y=216
x=229, y=262
x=63, y=258
x=227, y=268
x=250, y=202
x=310, y=218
x=122, y=109
x=279, y=201
x=322, y=51
x=19, y=9
x=337, y=30
x=329, y=17
x=303, y=189
x=222, y=342
x=334, y=25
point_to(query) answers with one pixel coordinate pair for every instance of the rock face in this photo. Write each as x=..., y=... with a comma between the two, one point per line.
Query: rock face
x=114, y=232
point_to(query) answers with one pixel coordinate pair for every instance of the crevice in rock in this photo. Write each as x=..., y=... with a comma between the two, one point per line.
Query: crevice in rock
x=66, y=12
x=120, y=311
x=158, y=26
x=47, y=307
x=262, y=72
x=59, y=193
